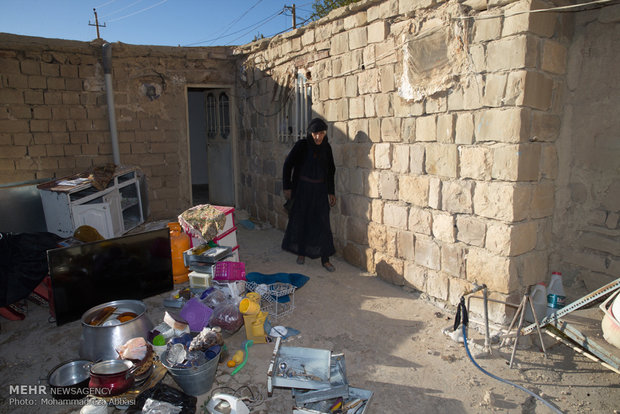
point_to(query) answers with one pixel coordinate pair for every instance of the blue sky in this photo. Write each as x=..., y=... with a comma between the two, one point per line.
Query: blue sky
x=152, y=22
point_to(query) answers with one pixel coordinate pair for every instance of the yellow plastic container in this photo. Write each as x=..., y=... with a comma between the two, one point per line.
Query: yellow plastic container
x=179, y=242
x=247, y=306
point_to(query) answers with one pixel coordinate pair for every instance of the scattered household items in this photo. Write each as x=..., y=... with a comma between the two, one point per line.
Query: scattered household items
x=70, y=379
x=133, y=266
x=226, y=403
x=165, y=393
x=277, y=291
x=179, y=243
x=610, y=324
x=527, y=303
x=108, y=200
x=112, y=377
x=228, y=317
x=175, y=323
x=197, y=314
x=87, y=234
x=538, y=298
x=253, y=317
x=208, y=223
x=229, y=271
x=317, y=378
x=236, y=359
x=462, y=319
x=193, y=366
x=561, y=325
x=556, y=298
x=103, y=332
x=248, y=343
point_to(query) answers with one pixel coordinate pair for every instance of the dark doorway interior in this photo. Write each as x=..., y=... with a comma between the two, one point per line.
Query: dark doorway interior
x=198, y=145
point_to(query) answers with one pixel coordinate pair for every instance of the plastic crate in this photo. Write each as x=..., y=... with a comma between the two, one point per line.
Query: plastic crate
x=232, y=271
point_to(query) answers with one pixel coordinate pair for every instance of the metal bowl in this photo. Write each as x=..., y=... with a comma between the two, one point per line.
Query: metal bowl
x=100, y=342
x=69, y=379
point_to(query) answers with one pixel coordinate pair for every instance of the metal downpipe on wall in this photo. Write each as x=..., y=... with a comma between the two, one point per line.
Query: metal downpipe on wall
x=109, y=92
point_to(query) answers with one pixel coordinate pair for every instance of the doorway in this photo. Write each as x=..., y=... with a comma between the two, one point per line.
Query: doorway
x=211, y=146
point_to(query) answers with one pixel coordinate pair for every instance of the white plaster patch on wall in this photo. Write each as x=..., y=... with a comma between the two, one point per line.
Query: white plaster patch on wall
x=433, y=59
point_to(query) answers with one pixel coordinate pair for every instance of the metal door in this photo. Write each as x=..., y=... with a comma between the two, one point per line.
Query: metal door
x=219, y=147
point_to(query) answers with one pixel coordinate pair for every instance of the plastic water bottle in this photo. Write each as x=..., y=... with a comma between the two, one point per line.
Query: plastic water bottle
x=538, y=295
x=556, y=298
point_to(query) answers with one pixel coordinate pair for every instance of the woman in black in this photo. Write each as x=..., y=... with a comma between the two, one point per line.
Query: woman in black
x=308, y=180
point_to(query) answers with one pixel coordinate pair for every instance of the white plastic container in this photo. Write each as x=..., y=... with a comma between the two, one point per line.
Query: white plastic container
x=539, y=299
x=556, y=298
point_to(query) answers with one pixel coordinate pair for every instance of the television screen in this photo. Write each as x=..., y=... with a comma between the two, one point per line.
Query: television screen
x=129, y=267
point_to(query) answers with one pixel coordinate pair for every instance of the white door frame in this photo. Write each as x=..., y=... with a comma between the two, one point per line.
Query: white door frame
x=233, y=132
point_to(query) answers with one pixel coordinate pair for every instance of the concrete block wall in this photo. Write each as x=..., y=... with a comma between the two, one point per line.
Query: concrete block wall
x=54, y=118
x=446, y=160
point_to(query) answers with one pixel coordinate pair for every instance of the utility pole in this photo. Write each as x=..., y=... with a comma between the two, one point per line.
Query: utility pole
x=292, y=9
x=103, y=25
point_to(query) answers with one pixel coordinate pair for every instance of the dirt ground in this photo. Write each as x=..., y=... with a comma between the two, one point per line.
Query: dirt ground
x=392, y=338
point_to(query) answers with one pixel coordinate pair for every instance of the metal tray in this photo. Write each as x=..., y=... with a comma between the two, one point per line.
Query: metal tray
x=354, y=394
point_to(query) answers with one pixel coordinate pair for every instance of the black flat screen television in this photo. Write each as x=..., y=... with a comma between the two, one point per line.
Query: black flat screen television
x=129, y=267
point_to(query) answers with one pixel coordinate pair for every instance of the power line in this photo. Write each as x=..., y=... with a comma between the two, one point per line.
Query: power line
x=121, y=9
x=255, y=25
x=139, y=11
x=105, y=4
x=240, y=17
x=271, y=18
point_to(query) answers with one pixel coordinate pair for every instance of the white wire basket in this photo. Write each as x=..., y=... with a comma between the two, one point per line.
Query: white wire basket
x=272, y=296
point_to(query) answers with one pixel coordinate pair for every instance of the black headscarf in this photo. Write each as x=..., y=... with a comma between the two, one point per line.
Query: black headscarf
x=317, y=125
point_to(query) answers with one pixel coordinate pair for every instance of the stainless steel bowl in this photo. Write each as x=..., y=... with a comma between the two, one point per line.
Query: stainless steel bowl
x=69, y=379
x=100, y=342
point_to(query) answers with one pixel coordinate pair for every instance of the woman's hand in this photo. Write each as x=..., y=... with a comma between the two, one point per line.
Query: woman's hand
x=287, y=194
x=332, y=200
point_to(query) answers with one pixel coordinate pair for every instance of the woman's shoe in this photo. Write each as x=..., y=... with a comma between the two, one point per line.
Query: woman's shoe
x=330, y=267
x=301, y=260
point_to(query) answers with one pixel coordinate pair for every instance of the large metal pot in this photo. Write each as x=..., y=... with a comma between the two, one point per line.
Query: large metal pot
x=100, y=342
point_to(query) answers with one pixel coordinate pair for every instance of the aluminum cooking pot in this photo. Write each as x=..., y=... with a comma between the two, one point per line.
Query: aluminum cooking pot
x=69, y=379
x=112, y=377
x=100, y=338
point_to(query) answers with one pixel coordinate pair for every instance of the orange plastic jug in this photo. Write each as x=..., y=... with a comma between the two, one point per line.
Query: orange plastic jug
x=179, y=242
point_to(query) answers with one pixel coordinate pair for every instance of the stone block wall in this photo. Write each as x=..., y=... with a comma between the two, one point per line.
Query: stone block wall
x=444, y=117
x=54, y=118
